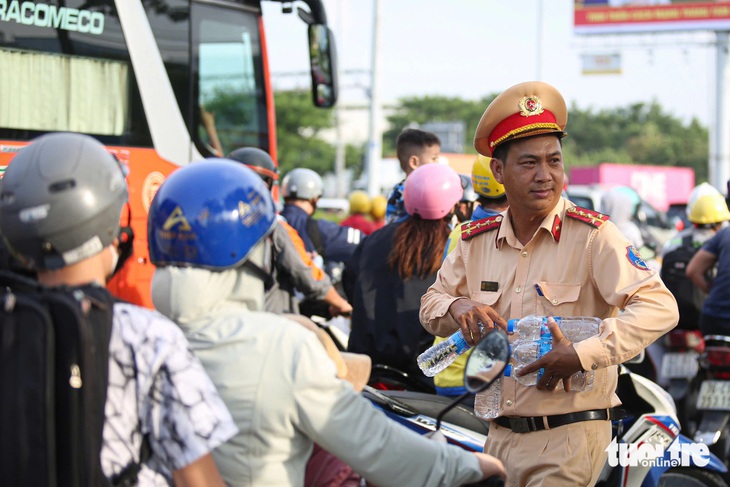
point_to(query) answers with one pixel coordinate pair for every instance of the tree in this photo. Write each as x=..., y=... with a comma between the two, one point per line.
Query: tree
x=639, y=133
x=300, y=144
x=417, y=111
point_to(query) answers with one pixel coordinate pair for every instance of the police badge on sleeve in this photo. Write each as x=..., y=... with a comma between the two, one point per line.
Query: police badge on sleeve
x=635, y=258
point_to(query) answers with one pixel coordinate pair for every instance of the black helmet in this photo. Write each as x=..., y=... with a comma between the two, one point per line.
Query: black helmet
x=258, y=160
x=61, y=200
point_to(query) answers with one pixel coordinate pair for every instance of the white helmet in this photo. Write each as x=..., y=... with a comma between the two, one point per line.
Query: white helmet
x=302, y=184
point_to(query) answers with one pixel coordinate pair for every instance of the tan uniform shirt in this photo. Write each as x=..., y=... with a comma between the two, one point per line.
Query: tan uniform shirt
x=571, y=267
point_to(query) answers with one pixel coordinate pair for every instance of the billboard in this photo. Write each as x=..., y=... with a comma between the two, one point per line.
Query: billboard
x=632, y=16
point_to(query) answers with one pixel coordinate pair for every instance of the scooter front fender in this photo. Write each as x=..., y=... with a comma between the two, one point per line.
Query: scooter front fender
x=653, y=475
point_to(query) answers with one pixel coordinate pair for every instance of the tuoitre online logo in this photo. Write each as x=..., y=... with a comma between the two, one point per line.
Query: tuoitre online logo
x=648, y=455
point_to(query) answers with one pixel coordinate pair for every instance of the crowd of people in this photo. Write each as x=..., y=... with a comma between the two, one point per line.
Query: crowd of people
x=232, y=384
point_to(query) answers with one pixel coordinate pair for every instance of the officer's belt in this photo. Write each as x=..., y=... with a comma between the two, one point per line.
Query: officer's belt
x=539, y=423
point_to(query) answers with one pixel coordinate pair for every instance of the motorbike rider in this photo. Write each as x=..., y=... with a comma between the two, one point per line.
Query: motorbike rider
x=706, y=216
x=715, y=318
x=393, y=267
x=465, y=206
x=288, y=270
x=377, y=211
x=274, y=374
x=157, y=389
x=360, y=205
x=491, y=200
x=301, y=189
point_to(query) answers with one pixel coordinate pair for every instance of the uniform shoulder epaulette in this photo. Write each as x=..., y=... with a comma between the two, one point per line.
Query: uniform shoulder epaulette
x=473, y=228
x=589, y=217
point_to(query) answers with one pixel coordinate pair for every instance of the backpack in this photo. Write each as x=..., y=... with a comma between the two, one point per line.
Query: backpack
x=54, y=352
x=689, y=298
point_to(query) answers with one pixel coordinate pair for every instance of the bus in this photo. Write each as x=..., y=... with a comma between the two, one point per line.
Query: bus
x=161, y=83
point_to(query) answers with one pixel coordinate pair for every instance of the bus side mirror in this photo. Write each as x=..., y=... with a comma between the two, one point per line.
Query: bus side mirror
x=322, y=58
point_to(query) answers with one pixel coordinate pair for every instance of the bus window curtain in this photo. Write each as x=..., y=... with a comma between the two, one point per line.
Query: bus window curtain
x=51, y=92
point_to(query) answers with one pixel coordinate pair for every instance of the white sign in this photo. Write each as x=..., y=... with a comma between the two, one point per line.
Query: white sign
x=652, y=455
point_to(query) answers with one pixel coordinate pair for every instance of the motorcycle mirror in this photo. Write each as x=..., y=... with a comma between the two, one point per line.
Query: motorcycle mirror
x=485, y=364
x=487, y=361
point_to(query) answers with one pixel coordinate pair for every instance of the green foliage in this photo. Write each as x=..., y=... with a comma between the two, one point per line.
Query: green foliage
x=639, y=133
x=420, y=110
x=299, y=126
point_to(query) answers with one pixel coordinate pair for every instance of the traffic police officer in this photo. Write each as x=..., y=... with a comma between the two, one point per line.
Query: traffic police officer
x=545, y=256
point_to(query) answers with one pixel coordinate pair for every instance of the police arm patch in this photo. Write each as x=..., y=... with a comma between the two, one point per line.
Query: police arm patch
x=635, y=258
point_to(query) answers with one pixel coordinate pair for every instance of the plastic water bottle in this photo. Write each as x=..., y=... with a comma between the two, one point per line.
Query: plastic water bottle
x=487, y=404
x=443, y=354
x=526, y=348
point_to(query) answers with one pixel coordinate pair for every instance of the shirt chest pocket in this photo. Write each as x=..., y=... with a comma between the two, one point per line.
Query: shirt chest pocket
x=489, y=298
x=557, y=298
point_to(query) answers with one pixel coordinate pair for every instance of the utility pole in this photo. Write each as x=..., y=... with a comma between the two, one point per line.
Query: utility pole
x=374, y=149
x=719, y=164
x=340, y=189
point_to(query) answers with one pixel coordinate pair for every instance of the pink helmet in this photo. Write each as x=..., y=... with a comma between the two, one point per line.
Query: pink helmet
x=431, y=191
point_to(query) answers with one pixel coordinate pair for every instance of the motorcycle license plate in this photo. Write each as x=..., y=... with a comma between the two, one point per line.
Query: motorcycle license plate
x=680, y=365
x=714, y=395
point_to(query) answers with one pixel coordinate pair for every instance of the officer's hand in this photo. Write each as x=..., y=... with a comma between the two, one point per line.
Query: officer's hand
x=468, y=314
x=560, y=363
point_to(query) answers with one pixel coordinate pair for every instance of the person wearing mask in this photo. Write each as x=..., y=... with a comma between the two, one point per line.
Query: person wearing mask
x=360, y=205
x=414, y=148
x=274, y=374
x=288, y=271
x=465, y=206
x=544, y=256
x=156, y=387
x=393, y=267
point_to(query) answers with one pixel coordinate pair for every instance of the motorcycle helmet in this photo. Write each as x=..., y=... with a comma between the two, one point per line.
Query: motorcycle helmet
x=483, y=180
x=210, y=214
x=431, y=191
x=359, y=202
x=379, y=207
x=698, y=191
x=467, y=195
x=708, y=209
x=302, y=184
x=61, y=200
x=257, y=160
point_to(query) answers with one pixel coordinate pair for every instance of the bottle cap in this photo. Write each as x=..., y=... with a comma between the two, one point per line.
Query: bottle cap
x=508, y=370
x=511, y=325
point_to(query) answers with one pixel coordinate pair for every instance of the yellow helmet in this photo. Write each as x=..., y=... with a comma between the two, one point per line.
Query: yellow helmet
x=359, y=202
x=379, y=206
x=709, y=208
x=483, y=180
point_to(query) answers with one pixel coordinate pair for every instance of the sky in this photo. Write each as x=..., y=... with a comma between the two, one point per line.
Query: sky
x=473, y=48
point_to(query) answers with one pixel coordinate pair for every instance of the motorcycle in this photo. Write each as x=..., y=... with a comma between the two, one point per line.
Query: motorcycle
x=651, y=419
x=651, y=424
x=713, y=396
x=446, y=420
x=679, y=369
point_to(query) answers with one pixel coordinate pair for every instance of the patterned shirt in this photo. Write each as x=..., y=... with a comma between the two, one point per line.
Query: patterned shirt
x=396, y=209
x=158, y=388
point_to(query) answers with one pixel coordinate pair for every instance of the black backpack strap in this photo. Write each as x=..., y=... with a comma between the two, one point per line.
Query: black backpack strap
x=128, y=476
x=315, y=236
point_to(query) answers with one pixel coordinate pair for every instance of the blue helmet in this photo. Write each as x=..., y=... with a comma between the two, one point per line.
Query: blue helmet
x=209, y=214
